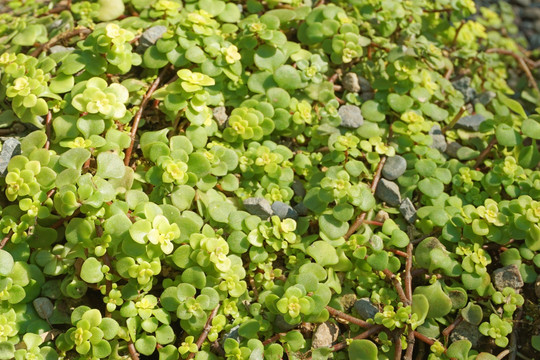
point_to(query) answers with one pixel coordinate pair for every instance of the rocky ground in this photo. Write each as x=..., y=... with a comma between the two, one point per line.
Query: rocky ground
x=527, y=19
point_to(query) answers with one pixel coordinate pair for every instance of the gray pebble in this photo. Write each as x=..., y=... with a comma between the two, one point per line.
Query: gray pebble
x=365, y=308
x=508, y=276
x=439, y=141
x=301, y=209
x=298, y=188
x=394, y=167
x=350, y=82
x=258, y=206
x=326, y=334
x=388, y=191
x=471, y=122
x=534, y=41
x=537, y=26
x=466, y=331
x=462, y=84
x=347, y=301
x=44, y=307
x=10, y=148
x=523, y=3
x=284, y=211
x=220, y=114
x=407, y=210
x=233, y=334
x=365, y=86
x=382, y=216
x=452, y=149
x=532, y=13
x=351, y=116
x=150, y=36
x=368, y=95
x=60, y=48
x=468, y=95
x=485, y=97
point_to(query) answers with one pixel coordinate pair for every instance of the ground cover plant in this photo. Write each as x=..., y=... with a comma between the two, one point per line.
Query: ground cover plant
x=267, y=180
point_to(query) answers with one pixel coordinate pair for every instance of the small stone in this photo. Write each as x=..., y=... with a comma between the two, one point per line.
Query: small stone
x=537, y=287
x=388, y=191
x=350, y=82
x=220, y=114
x=532, y=13
x=284, y=211
x=258, y=206
x=469, y=94
x=326, y=334
x=462, y=84
x=466, y=331
x=523, y=3
x=394, y=167
x=59, y=48
x=439, y=141
x=365, y=86
x=44, y=307
x=10, y=148
x=471, y=122
x=508, y=276
x=452, y=149
x=407, y=210
x=368, y=95
x=301, y=209
x=485, y=97
x=382, y=216
x=150, y=36
x=233, y=334
x=365, y=308
x=347, y=301
x=298, y=188
x=537, y=26
x=351, y=116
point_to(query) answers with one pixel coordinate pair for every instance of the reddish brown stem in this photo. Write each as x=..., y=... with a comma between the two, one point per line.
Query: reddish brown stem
x=371, y=331
x=377, y=175
x=61, y=222
x=205, y=332
x=408, y=277
x=521, y=63
x=349, y=318
x=449, y=73
x=373, y=222
x=485, y=152
x=6, y=239
x=410, y=345
x=454, y=40
x=81, y=32
x=446, y=332
x=359, y=220
x=139, y=113
x=398, y=252
x=397, y=343
x=397, y=285
x=423, y=338
x=438, y=10
x=361, y=217
x=132, y=351
x=273, y=339
x=48, y=129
